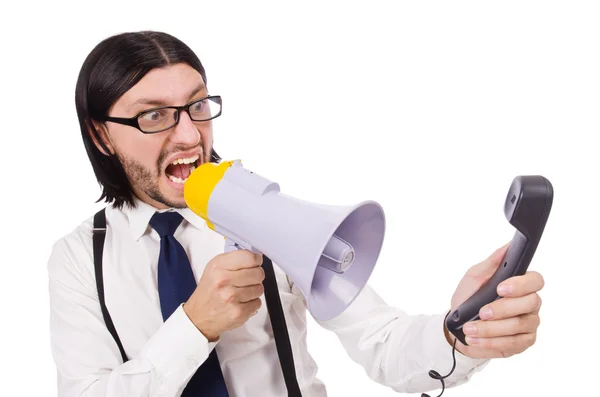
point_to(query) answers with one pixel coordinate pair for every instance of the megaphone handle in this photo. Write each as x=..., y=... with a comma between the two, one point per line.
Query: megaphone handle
x=280, y=330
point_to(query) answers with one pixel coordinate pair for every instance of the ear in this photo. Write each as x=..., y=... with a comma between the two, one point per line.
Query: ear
x=100, y=137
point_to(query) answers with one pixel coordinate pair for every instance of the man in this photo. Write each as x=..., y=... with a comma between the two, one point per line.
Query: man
x=216, y=337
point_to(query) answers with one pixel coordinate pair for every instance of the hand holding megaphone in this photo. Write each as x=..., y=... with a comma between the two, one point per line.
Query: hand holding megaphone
x=328, y=251
x=228, y=293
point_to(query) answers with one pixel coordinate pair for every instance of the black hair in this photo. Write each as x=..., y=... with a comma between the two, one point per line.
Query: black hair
x=114, y=66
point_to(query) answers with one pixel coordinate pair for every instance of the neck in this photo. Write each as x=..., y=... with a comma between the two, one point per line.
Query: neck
x=159, y=205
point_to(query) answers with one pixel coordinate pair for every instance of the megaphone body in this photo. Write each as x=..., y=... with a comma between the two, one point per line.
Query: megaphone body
x=328, y=251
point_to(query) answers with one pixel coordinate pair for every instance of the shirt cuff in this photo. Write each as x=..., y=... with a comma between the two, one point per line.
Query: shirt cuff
x=441, y=357
x=177, y=350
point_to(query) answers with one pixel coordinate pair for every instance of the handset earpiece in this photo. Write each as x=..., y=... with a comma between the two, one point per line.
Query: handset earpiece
x=527, y=207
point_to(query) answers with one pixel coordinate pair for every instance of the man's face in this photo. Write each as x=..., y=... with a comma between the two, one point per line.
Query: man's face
x=148, y=158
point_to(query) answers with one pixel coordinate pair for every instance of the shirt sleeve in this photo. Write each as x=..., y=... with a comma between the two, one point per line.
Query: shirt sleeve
x=87, y=358
x=398, y=350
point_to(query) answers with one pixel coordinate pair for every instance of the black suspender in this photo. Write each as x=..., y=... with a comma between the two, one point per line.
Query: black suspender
x=99, y=232
x=280, y=330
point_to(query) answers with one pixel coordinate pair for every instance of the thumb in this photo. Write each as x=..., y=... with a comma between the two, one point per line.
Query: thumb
x=488, y=266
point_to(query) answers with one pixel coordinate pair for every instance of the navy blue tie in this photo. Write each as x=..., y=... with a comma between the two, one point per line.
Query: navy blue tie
x=176, y=283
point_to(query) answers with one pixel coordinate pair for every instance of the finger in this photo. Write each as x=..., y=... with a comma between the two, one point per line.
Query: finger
x=241, y=312
x=254, y=305
x=489, y=265
x=523, y=285
x=250, y=308
x=510, y=307
x=247, y=277
x=247, y=294
x=240, y=259
x=234, y=295
x=498, y=254
x=510, y=326
x=505, y=345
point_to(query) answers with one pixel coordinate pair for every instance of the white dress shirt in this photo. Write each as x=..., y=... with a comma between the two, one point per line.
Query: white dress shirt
x=395, y=349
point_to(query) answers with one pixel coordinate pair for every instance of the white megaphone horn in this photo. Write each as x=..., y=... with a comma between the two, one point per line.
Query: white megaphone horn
x=328, y=251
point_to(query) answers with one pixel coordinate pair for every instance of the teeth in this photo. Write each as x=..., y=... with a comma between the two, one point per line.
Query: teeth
x=177, y=180
x=188, y=160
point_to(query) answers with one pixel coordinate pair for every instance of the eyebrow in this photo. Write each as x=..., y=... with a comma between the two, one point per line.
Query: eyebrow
x=159, y=102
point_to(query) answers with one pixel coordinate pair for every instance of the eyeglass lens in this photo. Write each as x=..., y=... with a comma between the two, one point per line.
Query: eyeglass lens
x=161, y=119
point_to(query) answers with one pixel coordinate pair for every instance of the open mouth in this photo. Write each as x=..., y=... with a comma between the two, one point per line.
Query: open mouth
x=179, y=170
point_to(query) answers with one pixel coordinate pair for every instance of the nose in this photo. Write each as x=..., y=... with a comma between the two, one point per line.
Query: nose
x=186, y=132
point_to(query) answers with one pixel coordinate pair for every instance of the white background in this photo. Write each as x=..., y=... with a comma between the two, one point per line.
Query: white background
x=430, y=108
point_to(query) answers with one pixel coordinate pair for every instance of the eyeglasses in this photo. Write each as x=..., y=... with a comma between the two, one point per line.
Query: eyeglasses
x=160, y=119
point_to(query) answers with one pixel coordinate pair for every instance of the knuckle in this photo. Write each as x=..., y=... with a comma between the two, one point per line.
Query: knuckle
x=521, y=323
x=249, y=256
x=240, y=256
x=486, y=343
x=221, y=280
x=213, y=265
x=483, y=330
x=512, y=344
x=259, y=290
x=542, y=282
x=246, y=258
x=237, y=313
x=256, y=274
x=228, y=296
x=221, y=260
x=536, y=301
x=498, y=308
x=535, y=321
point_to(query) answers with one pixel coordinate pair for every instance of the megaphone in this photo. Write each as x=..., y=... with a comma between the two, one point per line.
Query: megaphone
x=328, y=251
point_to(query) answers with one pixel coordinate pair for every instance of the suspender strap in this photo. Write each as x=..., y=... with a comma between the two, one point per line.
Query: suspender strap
x=280, y=330
x=99, y=233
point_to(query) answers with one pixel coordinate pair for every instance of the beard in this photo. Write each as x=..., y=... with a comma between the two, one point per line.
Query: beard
x=148, y=180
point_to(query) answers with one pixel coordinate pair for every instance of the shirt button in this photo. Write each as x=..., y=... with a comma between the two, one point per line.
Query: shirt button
x=194, y=362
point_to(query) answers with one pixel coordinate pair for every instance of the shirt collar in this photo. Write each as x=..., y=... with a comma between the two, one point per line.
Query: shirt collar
x=192, y=218
x=139, y=217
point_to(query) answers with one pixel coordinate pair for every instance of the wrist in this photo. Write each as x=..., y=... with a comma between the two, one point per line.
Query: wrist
x=190, y=312
x=451, y=338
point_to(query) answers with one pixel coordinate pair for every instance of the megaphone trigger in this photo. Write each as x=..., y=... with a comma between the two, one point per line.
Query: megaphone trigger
x=231, y=245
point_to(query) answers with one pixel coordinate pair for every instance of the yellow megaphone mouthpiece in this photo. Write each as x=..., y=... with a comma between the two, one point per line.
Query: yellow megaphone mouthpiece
x=199, y=187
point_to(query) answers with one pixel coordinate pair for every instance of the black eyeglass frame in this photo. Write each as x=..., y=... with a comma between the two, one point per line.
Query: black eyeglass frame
x=133, y=121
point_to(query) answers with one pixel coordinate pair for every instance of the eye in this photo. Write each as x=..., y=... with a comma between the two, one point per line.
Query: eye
x=154, y=116
x=197, y=107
